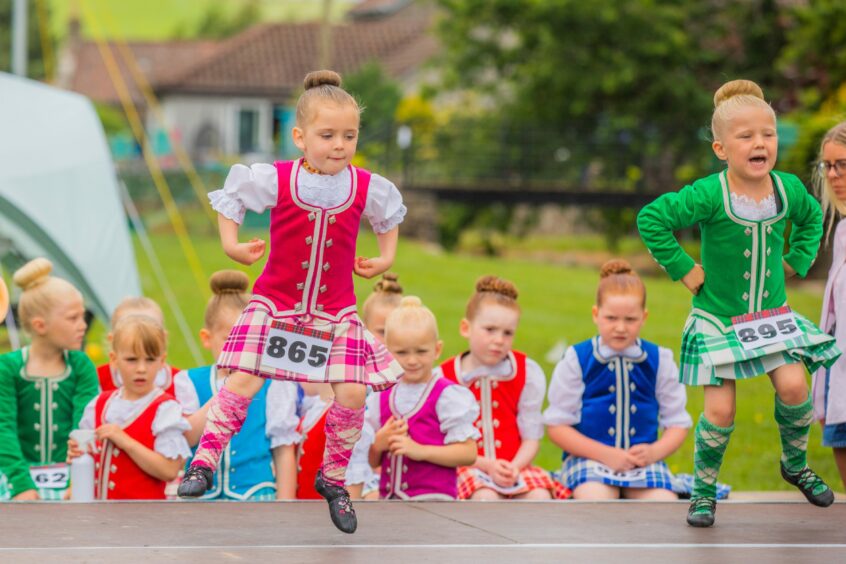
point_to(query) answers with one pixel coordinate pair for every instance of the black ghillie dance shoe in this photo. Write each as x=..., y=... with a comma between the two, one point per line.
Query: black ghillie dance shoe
x=196, y=482
x=812, y=486
x=340, y=507
x=701, y=511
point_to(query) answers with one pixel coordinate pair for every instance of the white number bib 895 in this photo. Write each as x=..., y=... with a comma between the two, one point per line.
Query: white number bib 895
x=286, y=348
x=54, y=476
x=755, y=330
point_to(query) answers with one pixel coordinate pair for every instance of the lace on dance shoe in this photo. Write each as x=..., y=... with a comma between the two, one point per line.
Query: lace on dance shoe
x=812, y=486
x=701, y=511
x=340, y=507
x=196, y=482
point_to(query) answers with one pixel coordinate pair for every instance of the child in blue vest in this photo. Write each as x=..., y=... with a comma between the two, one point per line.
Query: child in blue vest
x=609, y=396
x=259, y=464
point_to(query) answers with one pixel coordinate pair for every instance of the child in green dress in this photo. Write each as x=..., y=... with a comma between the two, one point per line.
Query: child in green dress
x=740, y=325
x=44, y=387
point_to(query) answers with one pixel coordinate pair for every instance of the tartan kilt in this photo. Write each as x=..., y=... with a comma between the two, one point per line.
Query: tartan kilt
x=355, y=355
x=46, y=494
x=576, y=471
x=534, y=477
x=709, y=356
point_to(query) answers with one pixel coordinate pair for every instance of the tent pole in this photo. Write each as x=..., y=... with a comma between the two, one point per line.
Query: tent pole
x=158, y=271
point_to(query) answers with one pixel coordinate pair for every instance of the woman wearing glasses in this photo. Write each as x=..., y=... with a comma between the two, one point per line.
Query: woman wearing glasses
x=829, y=387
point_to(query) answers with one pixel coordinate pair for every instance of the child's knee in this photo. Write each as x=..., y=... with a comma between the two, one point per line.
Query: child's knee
x=351, y=396
x=721, y=415
x=485, y=494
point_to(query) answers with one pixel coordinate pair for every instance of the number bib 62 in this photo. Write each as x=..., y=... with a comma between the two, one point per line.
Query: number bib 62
x=295, y=349
x=53, y=476
x=755, y=330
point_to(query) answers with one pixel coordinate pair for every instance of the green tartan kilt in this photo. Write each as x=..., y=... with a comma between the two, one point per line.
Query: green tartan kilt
x=710, y=355
x=46, y=494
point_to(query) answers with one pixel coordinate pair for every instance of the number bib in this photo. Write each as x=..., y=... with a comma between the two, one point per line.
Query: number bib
x=762, y=328
x=633, y=475
x=53, y=476
x=298, y=349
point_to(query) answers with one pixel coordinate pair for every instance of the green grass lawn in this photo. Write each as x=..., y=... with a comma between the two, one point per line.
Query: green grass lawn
x=556, y=303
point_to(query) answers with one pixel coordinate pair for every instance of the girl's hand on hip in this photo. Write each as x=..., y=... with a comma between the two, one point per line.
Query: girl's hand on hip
x=788, y=270
x=247, y=253
x=370, y=267
x=694, y=279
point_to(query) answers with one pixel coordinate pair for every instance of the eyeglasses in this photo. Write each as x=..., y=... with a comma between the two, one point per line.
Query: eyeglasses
x=839, y=167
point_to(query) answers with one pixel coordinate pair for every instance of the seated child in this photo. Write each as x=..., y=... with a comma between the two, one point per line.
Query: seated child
x=138, y=420
x=509, y=388
x=258, y=465
x=610, y=394
x=425, y=421
x=49, y=380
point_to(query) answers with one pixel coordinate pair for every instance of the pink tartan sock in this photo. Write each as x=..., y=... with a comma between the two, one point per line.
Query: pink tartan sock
x=343, y=429
x=225, y=418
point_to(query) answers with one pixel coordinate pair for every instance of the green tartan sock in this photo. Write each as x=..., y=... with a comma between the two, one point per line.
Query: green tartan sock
x=709, y=449
x=794, y=424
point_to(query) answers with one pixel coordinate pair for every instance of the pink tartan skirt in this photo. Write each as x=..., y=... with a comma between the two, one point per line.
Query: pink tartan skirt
x=534, y=477
x=355, y=355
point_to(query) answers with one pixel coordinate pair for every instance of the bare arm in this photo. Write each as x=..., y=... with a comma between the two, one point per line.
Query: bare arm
x=245, y=253
x=285, y=461
x=526, y=453
x=451, y=455
x=370, y=267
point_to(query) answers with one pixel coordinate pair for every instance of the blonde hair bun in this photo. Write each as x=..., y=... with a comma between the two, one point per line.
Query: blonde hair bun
x=615, y=266
x=33, y=274
x=734, y=88
x=496, y=285
x=388, y=284
x=411, y=301
x=229, y=282
x=318, y=78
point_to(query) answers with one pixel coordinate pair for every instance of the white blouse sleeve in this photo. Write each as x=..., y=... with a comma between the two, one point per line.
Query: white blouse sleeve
x=359, y=471
x=87, y=420
x=384, y=208
x=565, y=392
x=253, y=188
x=529, y=419
x=186, y=395
x=670, y=393
x=457, y=411
x=281, y=412
x=372, y=414
x=168, y=428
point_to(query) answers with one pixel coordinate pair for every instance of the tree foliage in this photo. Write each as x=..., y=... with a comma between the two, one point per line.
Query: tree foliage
x=35, y=55
x=217, y=22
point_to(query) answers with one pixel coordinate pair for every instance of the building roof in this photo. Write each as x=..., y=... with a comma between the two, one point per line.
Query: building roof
x=156, y=61
x=267, y=60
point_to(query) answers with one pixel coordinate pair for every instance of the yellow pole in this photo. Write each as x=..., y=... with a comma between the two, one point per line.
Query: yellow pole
x=149, y=157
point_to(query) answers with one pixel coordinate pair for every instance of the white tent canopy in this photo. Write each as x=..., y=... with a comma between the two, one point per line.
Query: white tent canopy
x=59, y=196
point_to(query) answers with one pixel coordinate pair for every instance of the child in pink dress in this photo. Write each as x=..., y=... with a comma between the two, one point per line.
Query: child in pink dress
x=302, y=324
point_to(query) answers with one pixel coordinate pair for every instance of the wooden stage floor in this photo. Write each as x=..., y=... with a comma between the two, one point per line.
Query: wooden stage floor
x=440, y=532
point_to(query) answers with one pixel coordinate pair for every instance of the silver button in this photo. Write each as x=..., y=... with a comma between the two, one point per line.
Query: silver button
x=496, y=423
x=768, y=273
x=55, y=405
x=298, y=306
x=116, y=452
x=309, y=240
x=300, y=285
x=747, y=253
x=332, y=219
x=38, y=447
x=404, y=468
x=323, y=289
x=232, y=453
x=611, y=431
x=634, y=409
x=632, y=431
x=304, y=264
x=747, y=275
x=329, y=243
x=389, y=470
x=36, y=406
x=319, y=307
x=477, y=384
x=497, y=443
x=769, y=228
x=769, y=251
x=55, y=387
x=111, y=485
x=745, y=295
x=311, y=216
x=766, y=294
x=612, y=408
x=612, y=389
x=748, y=231
x=113, y=468
x=37, y=426
x=632, y=386
x=495, y=403
x=325, y=266
x=404, y=486
x=55, y=427
x=494, y=385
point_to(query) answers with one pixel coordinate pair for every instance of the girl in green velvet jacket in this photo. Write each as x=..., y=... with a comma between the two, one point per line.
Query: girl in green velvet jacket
x=740, y=325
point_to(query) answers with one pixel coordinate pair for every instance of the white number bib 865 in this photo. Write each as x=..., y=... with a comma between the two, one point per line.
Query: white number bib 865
x=755, y=330
x=294, y=351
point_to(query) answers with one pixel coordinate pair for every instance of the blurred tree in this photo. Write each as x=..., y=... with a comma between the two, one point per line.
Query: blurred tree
x=380, y=96
x=218, y=22
x=35, y=54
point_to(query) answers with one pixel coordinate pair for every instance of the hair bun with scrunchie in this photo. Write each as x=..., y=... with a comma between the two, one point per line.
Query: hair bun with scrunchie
x=615, y=266
x=737, y=88
x=33, y=274
x=229, y=282
x=388, y=284
x=319, y=78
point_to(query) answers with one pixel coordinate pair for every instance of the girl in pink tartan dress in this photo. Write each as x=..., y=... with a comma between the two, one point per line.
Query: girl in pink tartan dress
x=301, y=323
